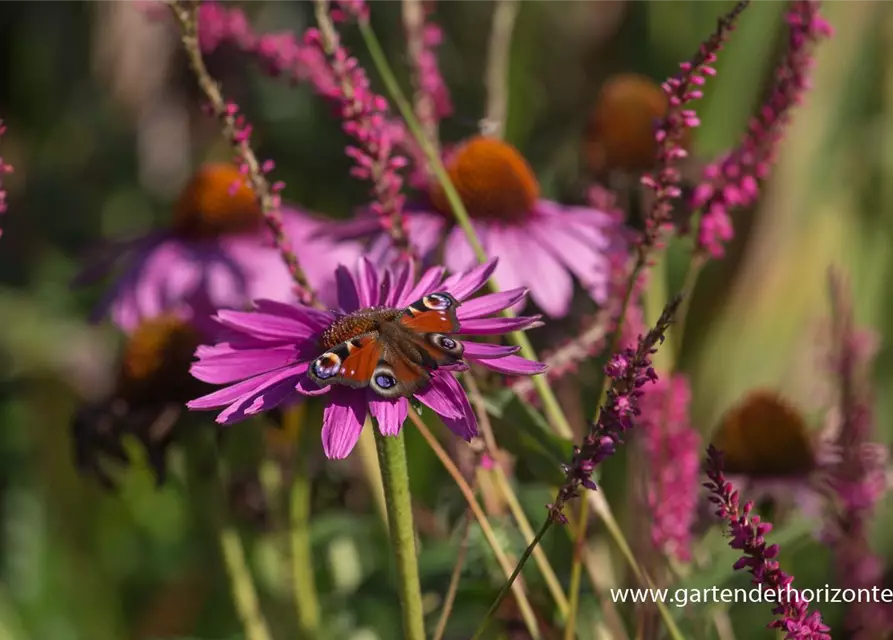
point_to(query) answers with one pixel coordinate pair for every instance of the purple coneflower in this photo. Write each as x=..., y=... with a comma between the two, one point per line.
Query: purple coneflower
x=266, y=357
x=216, y=251
x=541, y=244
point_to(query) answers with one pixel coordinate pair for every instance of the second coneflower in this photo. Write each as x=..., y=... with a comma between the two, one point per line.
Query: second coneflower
x=540, y=244
x=216, y=252
x=390, y=340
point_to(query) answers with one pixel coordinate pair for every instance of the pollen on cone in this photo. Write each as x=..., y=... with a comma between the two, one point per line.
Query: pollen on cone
x=620, y=132
x=763, y=436
x=492, y=178
x=208, y=207
x=155, y=362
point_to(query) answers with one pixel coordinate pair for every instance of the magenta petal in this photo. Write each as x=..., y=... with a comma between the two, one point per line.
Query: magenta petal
x=514, y=366
x=463, y=285
x=484, y=351
x=348, y=296
x=429, y=282
x=404, y=275
x=272, y=388
x=342, y=421
x=316, y=319
x=491, y=326
x=262, y=325
x=241, y=364
x=390, y=414
x=465, y=423
x=443, y=395
x=367, y=283
x=236, y=391
x=490, y=303
x=458, y=255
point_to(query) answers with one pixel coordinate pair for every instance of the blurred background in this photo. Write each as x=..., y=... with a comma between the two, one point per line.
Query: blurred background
x=105, y=127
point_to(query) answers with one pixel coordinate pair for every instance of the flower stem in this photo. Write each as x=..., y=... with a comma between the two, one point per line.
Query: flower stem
x=498, y=59
x=550, y=403
x=303, y=583
x=395, y=479
x=242, y=586
x=573, y=590
x=483, y=522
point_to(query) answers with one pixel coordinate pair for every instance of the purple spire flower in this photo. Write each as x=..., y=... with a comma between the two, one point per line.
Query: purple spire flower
x=733, y=180
x=672, y=450
x=748, y=535
x=264, y=362
x=860, y=477
x=216, y=252
x=630, y=370
x=541, y=244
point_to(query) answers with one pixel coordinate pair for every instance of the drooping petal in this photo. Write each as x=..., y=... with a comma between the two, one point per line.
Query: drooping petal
x=242, y=363
x=551, y=286
x=490, y=303
x=441, y=396
x=342, y=421
x=307, y=387
x=348, y=295
x=461, y=419
x=272, y=389
x=492, y=326
x=484, y=351
x=465, y=284
x=514, y=365
x=234, y=392
x=457, y=254
x=389, y=413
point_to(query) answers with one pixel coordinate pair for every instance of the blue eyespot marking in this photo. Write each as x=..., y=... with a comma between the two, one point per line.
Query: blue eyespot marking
x=327, y=366
x=437, y=302
x=385, y=381
x=448, y=343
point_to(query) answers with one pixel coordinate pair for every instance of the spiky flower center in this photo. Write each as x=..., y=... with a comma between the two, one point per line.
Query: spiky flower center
x=208, y=208
x=356, y=324
x=493, y=179
x=765, y=436
x=156, y=360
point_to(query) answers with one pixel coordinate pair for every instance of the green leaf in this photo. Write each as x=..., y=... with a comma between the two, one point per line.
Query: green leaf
x=525, y=433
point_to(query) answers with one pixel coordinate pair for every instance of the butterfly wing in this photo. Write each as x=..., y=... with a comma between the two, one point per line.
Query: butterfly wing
x=350, y=363
x=427, y=321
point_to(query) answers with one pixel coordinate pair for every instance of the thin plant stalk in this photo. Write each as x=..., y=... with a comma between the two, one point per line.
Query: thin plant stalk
x=450, y=598
x=508, y=493
x=468, y=493
x=573, y=590
x=395, y=479
x=497, y=70
x=242, y=585
x=371, y=468
x=550, y=403
x=303, y=582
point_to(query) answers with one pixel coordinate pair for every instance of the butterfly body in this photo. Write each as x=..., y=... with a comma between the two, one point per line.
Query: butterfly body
x=391, y=351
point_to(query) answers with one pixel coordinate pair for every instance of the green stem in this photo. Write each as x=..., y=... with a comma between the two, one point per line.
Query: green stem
x=511, y=580
x=242, y=586
x=573, y=590
x=550, y=403
x=395, y=478
x=677, y=330
x=303, y=583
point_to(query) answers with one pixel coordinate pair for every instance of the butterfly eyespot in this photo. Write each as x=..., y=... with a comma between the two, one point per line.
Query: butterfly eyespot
x=327, y=366
x=385, y=381
x=450, y=345
x=437, y=301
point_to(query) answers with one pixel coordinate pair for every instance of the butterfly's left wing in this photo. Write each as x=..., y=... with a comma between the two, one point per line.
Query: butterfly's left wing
x=350, y=363
x=427, y=321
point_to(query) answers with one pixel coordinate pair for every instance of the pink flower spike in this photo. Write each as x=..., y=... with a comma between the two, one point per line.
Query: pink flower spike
x=5, y=169
x=751, y=160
